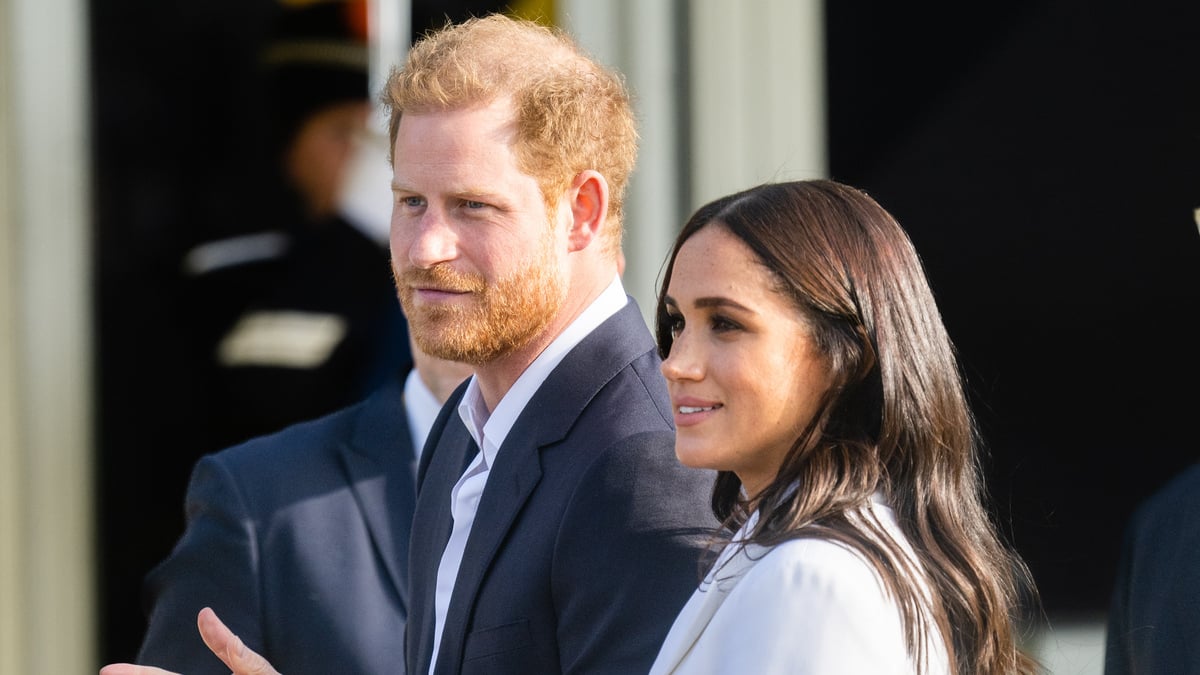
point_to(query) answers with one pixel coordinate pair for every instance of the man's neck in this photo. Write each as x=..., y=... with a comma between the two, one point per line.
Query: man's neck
x=496, y=377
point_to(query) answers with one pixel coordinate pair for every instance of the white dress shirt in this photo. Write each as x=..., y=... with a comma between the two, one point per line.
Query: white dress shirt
x=807, y=606
x=489, y=431
x=422, y=408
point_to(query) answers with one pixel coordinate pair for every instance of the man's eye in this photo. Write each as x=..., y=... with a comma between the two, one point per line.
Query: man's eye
x=473, y=204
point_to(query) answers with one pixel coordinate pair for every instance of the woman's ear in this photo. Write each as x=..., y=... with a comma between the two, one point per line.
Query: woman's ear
x=589, y=209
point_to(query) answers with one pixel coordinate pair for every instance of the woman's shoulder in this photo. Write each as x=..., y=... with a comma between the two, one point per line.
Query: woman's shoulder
x=817, y=563
x=817, y=602
x=837, y=564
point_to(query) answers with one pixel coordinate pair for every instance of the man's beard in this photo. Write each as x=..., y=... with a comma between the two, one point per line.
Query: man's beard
x=504, y=317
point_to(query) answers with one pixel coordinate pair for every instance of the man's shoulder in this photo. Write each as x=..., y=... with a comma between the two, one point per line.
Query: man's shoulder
x=305, y=451
x=313, y=437
x=617, y=369
x=1180, y=489
x=626, y=463
x=1175, y=507
x=624, y=411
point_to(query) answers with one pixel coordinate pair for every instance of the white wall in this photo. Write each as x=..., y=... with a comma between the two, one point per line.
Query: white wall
x=1071, y=646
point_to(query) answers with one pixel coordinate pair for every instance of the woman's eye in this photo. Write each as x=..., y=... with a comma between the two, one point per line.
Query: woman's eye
x=721, y=324
x=675, y=325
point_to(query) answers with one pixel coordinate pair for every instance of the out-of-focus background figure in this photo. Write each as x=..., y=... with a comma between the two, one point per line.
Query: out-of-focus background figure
x=279, y=306
x=265, y=519
x=296, y=315
x=1154, y=615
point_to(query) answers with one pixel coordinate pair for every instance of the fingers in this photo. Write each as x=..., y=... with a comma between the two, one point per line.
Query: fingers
x=131, y=669
x=228, y=647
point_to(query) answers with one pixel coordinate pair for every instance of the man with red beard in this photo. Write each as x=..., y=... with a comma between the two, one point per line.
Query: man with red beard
x=555, y=531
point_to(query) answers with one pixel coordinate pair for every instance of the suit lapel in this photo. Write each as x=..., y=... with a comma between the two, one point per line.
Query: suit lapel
x=695, y=616
x=546, y=419
x=509, y=484
x=450, y=448
x=380, y=462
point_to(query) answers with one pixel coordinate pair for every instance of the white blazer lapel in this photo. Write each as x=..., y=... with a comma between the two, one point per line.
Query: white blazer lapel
x=704, y=603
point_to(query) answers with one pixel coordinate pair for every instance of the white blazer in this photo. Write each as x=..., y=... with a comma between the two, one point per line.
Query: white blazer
x=804, y=606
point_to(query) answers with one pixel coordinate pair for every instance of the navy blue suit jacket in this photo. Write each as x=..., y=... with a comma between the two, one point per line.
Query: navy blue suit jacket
x=1154, y=617
x=299, y=541
x=589, y=533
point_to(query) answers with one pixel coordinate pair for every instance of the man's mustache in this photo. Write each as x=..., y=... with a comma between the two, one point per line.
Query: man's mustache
x=441, y=277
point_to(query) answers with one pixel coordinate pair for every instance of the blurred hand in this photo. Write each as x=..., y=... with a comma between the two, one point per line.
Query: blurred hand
x=131, y=669
x=227, y=646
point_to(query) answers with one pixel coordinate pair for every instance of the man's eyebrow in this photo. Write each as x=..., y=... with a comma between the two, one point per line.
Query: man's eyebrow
x=473, y=194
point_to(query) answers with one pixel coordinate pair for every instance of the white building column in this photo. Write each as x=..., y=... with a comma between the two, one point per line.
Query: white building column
x=758, y=94
x=745, y=105
x=638, y=38
x=47, y=606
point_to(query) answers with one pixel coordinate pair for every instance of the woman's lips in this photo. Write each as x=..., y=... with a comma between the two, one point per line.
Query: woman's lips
x=689, y=411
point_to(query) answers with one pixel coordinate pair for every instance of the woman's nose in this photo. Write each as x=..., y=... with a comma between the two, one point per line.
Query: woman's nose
x=682, y=363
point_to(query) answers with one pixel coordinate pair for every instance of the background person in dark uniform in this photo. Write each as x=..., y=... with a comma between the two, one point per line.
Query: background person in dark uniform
x=282, y=310
x=299, y=317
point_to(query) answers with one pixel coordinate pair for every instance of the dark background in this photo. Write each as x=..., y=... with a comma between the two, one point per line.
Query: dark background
x=1044, y=155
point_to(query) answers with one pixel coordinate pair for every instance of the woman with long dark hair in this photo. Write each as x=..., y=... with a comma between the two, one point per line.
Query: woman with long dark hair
x=808, y=363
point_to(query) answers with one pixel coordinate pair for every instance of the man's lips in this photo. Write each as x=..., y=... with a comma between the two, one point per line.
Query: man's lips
x=446, y=291
x=436, y=294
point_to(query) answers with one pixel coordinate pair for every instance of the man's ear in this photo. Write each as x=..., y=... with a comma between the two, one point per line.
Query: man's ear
x=589, y=209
